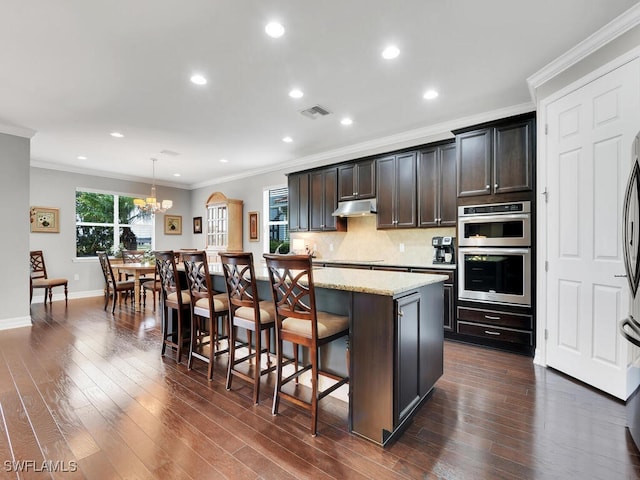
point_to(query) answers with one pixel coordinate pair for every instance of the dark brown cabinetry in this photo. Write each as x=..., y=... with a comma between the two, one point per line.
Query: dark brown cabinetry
x=357, y=180
x=396, y=189
x=436, y=172
x=298, y=202
x=496, y=159
x=323, y=201
x=407, y=354
x=449, y=295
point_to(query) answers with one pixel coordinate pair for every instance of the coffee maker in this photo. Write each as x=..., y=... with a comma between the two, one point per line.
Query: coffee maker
x=444, y=249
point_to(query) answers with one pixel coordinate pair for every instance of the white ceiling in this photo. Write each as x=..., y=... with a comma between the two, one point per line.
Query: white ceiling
x=76, y=70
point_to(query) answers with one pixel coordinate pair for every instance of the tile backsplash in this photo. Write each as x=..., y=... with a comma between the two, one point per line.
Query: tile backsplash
x=363, y=242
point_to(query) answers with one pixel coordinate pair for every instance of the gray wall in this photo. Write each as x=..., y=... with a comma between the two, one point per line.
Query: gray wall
x=52, y=188
x=14, y=241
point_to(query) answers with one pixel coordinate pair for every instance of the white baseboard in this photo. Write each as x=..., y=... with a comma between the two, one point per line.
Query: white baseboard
x=18, y=322
x=72, y=295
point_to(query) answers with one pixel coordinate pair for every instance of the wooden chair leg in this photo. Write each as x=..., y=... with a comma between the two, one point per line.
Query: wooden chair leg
x=66, y=299
x=278, y=385
x=313, y=353
x=212, y=350
x=233, y=331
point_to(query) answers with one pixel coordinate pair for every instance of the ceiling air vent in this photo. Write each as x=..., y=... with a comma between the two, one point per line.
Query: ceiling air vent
x=170, y=153
x=315, y=112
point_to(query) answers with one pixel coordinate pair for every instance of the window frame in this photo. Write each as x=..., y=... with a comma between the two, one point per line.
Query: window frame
x=266, y=207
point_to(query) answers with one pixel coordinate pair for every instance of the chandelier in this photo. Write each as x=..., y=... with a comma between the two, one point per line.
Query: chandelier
x=151, y=203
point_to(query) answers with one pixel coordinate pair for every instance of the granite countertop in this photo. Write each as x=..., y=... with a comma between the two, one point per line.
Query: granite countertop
x=354, y=280
x=384, y=263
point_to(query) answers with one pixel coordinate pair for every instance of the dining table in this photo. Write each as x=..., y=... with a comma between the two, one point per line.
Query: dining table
x=138, y=270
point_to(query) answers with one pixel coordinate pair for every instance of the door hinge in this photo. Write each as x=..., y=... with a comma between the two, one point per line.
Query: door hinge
x=546, y=129
x=546, y=195
x=546, y=334
x=546, y=265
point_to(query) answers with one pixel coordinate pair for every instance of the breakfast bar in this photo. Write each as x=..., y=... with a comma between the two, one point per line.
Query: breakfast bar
x=395, y=343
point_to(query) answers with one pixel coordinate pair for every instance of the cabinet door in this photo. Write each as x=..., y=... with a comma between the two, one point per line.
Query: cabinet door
x=316, y=201
x=513, y=157
x=428, y=188
x=347, y=182
x=406, y=211
x=407, y=355
x=330, y=198
x=365, y=179
x=386, y=186
x=298, y=202
x=448, y=213
x=473, y=151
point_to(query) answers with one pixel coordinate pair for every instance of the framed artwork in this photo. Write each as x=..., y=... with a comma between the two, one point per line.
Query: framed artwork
x=45, y=219
x=197, y=224
x=173, y=224
x=254, y=227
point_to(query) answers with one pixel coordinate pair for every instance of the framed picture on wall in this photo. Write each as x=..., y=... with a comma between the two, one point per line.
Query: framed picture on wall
x=45, y=219
x=254, y=227
x=197, y=224
x=173, y=224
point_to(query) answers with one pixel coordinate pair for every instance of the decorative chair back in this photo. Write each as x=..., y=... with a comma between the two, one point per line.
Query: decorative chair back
x=240, y=277
x=198, y=278
x=38, y=268
x=168, y=274
x=132, y=256
x=107, y=271
x=291, y=281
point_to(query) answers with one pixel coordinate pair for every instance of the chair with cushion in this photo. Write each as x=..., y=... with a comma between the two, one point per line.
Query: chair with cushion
x=40, y=279
x=113, y=286
x=246, y=311
x=173, y=297
x=298, y=321
x=151, y=285
x=209, y=309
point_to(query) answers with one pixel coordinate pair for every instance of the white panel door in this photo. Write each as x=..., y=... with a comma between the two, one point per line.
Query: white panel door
x=589, y=150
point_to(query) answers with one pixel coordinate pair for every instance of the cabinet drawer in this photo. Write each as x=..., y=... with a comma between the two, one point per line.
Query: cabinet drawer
x=496, y=333
x=493, y=317
x=448, y=273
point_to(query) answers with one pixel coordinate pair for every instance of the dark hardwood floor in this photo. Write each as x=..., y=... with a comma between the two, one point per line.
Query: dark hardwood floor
x=82, y=387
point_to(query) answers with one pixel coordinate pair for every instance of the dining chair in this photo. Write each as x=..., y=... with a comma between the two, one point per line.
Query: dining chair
x=247, y=312
x=298, y=321
x=209, y=309
x=173, y=297
x=40, y=279
x=113, y=286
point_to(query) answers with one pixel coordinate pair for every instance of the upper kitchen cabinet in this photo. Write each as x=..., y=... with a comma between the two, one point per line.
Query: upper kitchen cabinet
x=323, y=201
x=224, y=224
x=357, y=180
x=396, y=188
x=298, y=202
x=497, y=159
x=437, y=186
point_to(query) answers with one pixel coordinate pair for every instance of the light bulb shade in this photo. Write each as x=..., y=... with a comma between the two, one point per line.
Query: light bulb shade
x=167, y=204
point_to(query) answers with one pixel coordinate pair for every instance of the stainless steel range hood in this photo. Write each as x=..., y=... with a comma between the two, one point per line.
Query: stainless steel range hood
x=355, y=208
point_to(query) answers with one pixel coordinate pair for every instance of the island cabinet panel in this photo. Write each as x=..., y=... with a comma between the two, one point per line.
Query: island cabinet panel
x=298, y=202
x=396, y=353
x=357, y=180
x=396, y=180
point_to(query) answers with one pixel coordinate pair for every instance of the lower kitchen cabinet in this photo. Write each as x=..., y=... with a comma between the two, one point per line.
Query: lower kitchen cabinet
x=449, y=295
x=499, y=326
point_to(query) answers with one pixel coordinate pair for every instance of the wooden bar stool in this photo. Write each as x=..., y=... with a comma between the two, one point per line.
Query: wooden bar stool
x=206, y=306
x=172, y=297
x=298, y=321
x=246, y=311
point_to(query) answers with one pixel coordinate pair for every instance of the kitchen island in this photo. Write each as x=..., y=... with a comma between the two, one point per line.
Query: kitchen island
x=395, y=342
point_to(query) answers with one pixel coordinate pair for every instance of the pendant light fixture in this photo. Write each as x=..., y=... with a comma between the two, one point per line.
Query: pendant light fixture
x=151, y=203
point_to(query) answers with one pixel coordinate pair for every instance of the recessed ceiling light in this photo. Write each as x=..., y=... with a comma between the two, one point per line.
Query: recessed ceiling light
x=346, y=121
x=177, y=175
x=430, y=94
x=81, y=157
x=274, y=29
x=390, y=52
x=295, y=93
x=117, y=135
x=223, y=160
x=287, y=139
x=198, y=79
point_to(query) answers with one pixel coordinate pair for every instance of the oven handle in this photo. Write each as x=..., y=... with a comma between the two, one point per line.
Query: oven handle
x=489, y=218
x=493, y=251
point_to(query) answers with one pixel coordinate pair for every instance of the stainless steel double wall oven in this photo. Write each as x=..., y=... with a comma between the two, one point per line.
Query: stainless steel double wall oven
x=495, y=253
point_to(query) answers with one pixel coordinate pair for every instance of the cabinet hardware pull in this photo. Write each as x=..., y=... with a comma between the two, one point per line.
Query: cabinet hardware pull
x=489, y=332
x=495, y=186
x=490, y=317
x=620, y=276
x=487, y=187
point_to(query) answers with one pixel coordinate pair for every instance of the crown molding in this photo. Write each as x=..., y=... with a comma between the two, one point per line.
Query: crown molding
x=101, y=173
x=432, y=133
x=17, y=131
x=619, y=25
